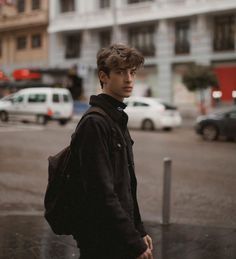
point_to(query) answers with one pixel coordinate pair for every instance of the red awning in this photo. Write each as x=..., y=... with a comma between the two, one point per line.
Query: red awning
x=3, y=77
x=23, y=74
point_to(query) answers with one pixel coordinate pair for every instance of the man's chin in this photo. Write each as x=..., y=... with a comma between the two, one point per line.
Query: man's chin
x=126, y=95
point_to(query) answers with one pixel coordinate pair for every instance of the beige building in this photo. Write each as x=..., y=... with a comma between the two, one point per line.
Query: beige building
x=23, y=35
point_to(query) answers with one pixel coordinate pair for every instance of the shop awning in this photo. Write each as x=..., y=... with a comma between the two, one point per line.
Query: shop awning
x=24, y=74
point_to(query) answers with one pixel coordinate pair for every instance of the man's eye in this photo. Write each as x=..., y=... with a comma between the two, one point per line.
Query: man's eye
x=133, y=73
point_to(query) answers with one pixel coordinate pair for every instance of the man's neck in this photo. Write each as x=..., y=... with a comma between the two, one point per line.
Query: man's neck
x=118, y=98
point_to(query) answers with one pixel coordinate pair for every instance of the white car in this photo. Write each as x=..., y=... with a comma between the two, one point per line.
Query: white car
x=151, y=113
x=39, y=104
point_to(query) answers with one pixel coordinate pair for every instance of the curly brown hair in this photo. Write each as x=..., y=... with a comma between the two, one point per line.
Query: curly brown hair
x=118, y=56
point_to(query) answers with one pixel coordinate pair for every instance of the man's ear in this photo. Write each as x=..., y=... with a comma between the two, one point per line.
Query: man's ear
x=103, y=77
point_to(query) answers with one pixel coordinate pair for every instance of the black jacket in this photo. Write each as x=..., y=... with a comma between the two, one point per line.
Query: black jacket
x=111, y=215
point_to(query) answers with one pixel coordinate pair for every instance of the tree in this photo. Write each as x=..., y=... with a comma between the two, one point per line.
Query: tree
x=199, y=78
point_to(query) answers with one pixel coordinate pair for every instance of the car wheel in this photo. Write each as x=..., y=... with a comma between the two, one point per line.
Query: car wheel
x=147, y=125
x=41, y=119
x=63, y=122
x=210, y=132
x=167, y=129
x=3, y=116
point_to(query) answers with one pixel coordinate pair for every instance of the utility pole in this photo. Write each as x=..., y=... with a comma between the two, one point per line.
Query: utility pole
x=115, y=31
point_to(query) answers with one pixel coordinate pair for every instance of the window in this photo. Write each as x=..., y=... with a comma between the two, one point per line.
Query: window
x=21, y=6
x=35, y=4
x=21, y=43
x=37, y=98
x=232, y=115
x=56, y=98
x=137, y=1
x=182, y=42
x=19, y=99
x=66, y=98
x=72, y=46
x=142, y=38
x=67, y=6
x=104, y=3
x=105, y=38
x=224, y=33
x=36, y=41
x=140, y=104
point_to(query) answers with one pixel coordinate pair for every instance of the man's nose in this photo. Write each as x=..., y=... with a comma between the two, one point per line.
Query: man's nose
x=128, y=77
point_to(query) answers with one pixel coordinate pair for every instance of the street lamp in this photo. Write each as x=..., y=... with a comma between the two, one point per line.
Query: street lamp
x=217, y=96
x=234, y=96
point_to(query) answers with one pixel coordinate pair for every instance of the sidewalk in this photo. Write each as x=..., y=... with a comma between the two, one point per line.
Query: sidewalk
x=24, y=237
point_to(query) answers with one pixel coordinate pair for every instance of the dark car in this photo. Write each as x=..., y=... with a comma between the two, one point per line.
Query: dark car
x=217, y=124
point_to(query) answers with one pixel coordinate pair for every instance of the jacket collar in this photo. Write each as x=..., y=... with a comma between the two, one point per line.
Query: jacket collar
x=111, y=106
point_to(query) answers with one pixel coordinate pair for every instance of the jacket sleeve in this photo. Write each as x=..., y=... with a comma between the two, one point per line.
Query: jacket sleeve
x=94, y=152
x=138, y=222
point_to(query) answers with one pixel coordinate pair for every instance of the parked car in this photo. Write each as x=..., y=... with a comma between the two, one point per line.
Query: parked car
x=151, y=113
x=217, y=124
x=37, y=104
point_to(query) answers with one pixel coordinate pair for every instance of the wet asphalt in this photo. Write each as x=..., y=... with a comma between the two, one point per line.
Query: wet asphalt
x=24, y=237
x=203, y=208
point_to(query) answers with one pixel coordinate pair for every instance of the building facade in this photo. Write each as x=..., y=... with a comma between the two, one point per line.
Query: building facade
x=170, y=33
x=23, y=35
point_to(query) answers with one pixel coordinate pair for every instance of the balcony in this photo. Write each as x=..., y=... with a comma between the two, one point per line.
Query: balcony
x=23, y=20
x=147, y=11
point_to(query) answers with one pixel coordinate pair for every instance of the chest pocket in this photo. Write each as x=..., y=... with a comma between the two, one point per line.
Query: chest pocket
x=118, y=141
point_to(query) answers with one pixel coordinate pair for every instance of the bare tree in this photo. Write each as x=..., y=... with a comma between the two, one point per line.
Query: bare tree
x=199, y=78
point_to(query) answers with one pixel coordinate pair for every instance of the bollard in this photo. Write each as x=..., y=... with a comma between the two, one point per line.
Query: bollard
x=166, y=192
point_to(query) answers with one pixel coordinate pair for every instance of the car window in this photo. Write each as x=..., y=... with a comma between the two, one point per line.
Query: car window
x=37, y=98
x=19, y=99
x=141, y=104
x=168, y=106
x=56, y=98
x=66, y=98
x=232, y=115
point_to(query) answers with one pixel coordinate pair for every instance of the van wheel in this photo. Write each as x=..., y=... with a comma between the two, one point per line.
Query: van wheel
x=147, y=125
x=63, y=122
x=41, y=119
x=3, y=116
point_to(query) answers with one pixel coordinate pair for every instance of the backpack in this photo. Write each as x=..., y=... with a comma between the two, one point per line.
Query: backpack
x=64, y=199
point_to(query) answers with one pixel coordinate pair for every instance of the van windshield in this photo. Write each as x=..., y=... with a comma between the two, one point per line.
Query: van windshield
x=37, y=98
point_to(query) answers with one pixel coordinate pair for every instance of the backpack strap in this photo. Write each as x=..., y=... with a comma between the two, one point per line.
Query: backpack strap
x=114, y=125
x=98, y=110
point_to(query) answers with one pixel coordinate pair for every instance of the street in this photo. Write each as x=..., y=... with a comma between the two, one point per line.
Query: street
x=203, y=182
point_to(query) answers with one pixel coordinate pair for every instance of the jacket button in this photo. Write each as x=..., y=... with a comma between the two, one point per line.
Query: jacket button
x=119, y=145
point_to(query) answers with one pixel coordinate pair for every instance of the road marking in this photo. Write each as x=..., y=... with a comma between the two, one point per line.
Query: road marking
x=13, y=127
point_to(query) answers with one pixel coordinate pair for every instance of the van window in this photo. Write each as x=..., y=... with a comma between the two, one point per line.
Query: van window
x=19, y=99
x=37, y=98
x=56, y=98
x=66, y=98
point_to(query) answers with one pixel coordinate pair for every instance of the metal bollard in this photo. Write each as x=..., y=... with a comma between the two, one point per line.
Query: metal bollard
x=166, y=191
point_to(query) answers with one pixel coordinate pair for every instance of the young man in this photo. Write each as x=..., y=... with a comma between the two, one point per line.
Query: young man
x=112, y=226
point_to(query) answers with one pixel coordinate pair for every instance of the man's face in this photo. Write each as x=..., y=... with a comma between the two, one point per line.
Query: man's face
x=119, y=83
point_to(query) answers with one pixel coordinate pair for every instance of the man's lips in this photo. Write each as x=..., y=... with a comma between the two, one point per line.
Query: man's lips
x=128, y=88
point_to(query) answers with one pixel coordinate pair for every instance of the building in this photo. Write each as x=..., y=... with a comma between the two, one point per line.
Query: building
x=171, y=33
x=23, y=37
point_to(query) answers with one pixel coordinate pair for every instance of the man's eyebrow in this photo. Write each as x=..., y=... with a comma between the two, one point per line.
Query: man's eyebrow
x=125, y=68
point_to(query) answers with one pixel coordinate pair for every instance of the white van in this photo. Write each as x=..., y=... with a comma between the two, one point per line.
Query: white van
x=38, y=104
